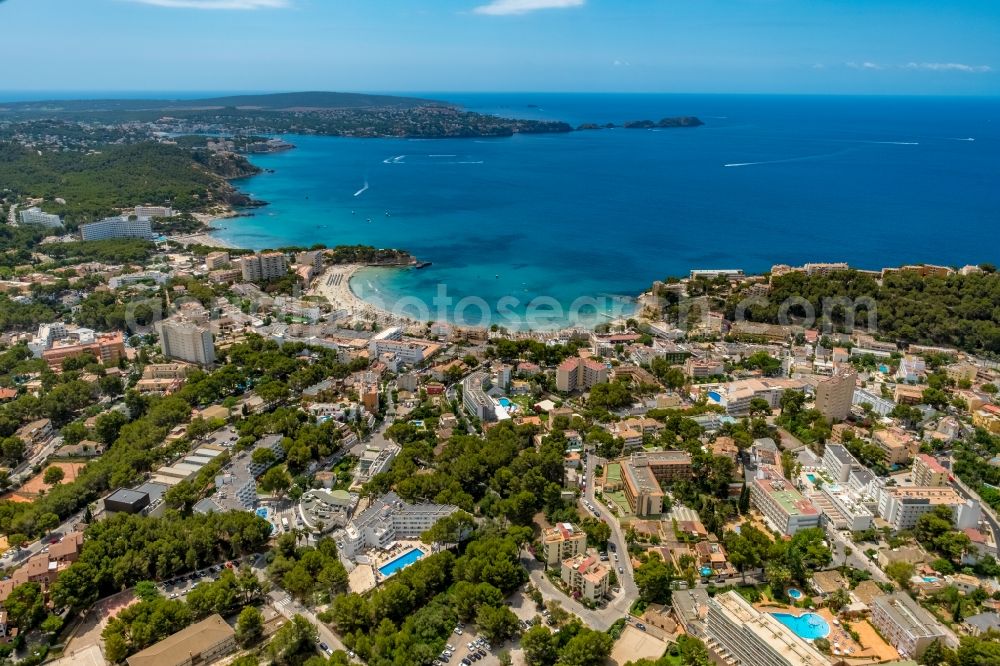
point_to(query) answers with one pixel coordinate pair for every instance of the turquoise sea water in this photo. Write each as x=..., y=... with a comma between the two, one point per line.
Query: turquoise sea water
x=769, y=179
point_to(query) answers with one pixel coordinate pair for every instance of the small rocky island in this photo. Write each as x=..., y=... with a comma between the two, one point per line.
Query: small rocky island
x=676, y=121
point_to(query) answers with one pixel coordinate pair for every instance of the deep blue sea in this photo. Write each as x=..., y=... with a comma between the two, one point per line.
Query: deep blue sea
x=874, y=181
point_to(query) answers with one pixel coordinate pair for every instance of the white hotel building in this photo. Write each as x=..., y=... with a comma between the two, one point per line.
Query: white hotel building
x=35, y=216
x=740, y=634
x=116, y=227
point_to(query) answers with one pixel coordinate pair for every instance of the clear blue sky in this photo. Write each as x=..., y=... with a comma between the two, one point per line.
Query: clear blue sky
x=765, y=46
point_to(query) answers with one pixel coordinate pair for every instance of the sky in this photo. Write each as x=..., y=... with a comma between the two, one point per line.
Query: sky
x=927, y=47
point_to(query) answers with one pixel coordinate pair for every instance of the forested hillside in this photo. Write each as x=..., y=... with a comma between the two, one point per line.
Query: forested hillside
x=961, y=311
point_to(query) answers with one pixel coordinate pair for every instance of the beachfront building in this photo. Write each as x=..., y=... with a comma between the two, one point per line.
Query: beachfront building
x=738, y=633
x=835, y=394
x=149, y=212
x=35, y=216
x=587, y=576
x=387, y=519
x=116, y=227
x=200, y=643
x=186, y=340
x=562, y=542
x=580, y=374
x=927, y=471
x=783, y=506
x=263, y=267
x=904, y=624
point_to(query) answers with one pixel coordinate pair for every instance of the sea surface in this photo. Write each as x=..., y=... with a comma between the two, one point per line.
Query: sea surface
x=549, y=219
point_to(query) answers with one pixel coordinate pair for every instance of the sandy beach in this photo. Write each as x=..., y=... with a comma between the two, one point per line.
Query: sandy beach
x=203, y=238
x=334, y=284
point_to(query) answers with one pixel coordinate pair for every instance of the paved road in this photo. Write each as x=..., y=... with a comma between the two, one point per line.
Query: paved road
x=626, y=578
x=17, y=556
x=600, y=619
x=288, y=607
x=968, y=493
x=857, y=559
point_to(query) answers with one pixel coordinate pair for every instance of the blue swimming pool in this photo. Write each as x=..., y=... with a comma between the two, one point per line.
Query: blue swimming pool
x=809, y=626
x=931, y=579
x=262, y=512
x=404, y=560
x=794, y=593
x=705, y=571
x=504, y=402
x=812, y=478
x=714, y=396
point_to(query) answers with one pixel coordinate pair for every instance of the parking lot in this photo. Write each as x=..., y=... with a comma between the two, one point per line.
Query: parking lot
x=179, y=586
x=468, y=648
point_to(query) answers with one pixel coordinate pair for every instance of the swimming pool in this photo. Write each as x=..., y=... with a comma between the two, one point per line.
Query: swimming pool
x=504, y=402
x=794, y=593
x=931, y=579
x=714, y=396
x=706, y=571
x=812, y=478
x=809, y=626
x=262, y=512
x=404, y=560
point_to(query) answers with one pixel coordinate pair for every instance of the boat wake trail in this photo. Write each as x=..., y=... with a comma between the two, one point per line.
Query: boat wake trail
x=398, y=159
x=442, y=156
x=898, y=143
x=359, y=192
x=969, y=138
x=804, y=158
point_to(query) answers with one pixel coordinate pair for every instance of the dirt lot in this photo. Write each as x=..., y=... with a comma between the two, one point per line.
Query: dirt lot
x=29, y=491
x=636, y=644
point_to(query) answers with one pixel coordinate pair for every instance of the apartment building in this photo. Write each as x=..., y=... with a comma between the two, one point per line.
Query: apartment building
x=897, y=445
x=562, y=542
x=879, y=405
x=904, y=624
x=927, y=471
x=586, y=575
x=700, y=368
x=116, y=227
x=835, y=394
x=839, y=463
x=580, y=374
x=35, y=216
x=186, y=340
x=783, y=506
x=108, y=348
x=644, y=473
x=264, y=267
x=902, y=507
x=216, y=260
x=738, y=633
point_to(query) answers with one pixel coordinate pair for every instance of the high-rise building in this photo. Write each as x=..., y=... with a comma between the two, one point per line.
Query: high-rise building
x=186, y=340
x=578, y=373
x=835, y=394
x=35, y=216
x=263, y=267
x=116, y=227
x=740, y=634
